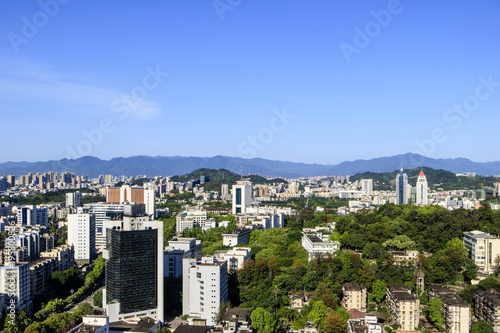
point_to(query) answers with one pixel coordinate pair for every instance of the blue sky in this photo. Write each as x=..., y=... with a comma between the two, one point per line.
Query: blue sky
x=305, y=81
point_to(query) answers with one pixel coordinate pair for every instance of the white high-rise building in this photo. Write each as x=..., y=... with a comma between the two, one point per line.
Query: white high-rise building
x=15, y=282
x=81, y=234
x=33, y=215
x=74, y=199
x=367, y=186
x=242, y=196
x=224, y=190
x=402, y=188
x=204, y=288
x=483, y=249
x=422, y=190
x=104, y=213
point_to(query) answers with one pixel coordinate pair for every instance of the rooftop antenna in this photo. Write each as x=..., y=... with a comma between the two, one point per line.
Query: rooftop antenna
x=242, y=172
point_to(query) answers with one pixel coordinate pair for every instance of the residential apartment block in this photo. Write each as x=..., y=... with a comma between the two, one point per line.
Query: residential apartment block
x=316, y=246
x=354, y=296
x=487, y=307
x=403, y=306
x=483, y=249
x=204, y=288
x=455, y=311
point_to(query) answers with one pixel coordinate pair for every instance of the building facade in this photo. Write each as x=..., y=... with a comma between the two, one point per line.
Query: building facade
x=81, y=234
x=354, y=296
x=483, y=249
x=422, y=189
x=403, y=306
x=402, y=188
x=242, y=197
x=204, y=288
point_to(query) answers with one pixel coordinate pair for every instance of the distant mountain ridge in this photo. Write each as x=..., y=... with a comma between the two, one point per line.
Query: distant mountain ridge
x=179, y=165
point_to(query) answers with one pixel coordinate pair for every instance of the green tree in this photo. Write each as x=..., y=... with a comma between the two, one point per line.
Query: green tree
x=434, y=307
x=264, y=321
x=481, y=327
x=16, y=324
x=317, y=313
x=378, y=291
x=97, y=300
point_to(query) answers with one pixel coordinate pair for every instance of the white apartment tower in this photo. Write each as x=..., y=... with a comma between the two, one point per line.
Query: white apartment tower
x=204, y=288
x=422, y=190
x=16, y=284
x=367, y=186
x=81, y=234
x=242, y=196
x=74, y=199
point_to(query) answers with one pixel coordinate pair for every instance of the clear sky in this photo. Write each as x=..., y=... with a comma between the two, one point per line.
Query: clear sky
x=305, y=81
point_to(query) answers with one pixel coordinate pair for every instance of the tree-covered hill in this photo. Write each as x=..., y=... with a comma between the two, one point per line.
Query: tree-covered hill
x=222, y=176
x=435, y=178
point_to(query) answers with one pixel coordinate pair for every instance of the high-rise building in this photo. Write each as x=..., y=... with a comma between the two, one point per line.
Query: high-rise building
x=33, y=215
x=15, y=282
x=422, y=189
x=134, y=269
x=402, y=187
x=105, y=214
x=81, y=234
x=3, y=184
x=74, y=199
x=242, y=196
x=224, y=190
x=204, y=288
x=11, y=181
x=367, y=186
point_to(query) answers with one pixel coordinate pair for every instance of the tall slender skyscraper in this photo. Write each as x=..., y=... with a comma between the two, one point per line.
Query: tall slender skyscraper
x=402, y=187
x=422, y=189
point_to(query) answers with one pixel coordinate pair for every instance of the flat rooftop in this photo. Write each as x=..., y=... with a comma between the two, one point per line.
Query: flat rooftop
x=144, y=325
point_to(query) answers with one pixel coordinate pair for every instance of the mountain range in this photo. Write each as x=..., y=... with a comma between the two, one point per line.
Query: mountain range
x=179, y=165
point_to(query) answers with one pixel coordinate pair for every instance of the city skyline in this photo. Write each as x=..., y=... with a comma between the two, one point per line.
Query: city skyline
x=334, y=81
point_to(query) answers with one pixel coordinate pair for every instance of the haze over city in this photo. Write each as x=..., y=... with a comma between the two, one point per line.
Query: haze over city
x=319, y=82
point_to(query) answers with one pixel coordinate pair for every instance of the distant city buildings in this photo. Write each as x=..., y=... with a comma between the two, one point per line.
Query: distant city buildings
x=74, y=199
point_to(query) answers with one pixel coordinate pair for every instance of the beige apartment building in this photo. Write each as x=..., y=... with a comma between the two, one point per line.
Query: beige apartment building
x=455, y=311
x=354, y=296
x=403, y=306
x=483, y=249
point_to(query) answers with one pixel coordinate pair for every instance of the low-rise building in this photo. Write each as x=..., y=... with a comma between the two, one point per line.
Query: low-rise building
x=367, y=324
x=354, y=296
x=235, y=320
x=64, y=255
x=177, y=249
x=403, y=306
x=314, y=245
x=235, y=258
x=300, y=298
x=92, y=324
x=238, y=236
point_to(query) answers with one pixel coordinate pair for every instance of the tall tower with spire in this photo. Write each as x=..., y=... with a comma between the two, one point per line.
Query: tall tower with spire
x=402, y=187
x=422, y=189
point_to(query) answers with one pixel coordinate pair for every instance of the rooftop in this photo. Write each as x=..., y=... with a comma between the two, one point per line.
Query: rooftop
x=144, y=325
x=478, y=234
x=354, y=286
x=190, y=329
